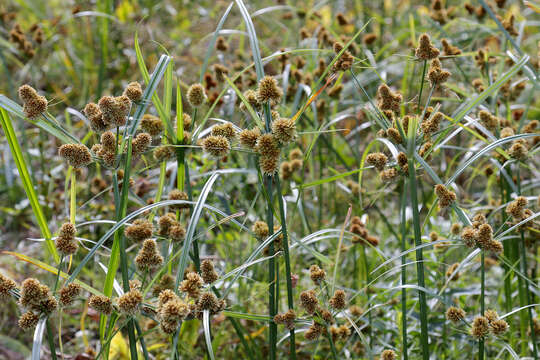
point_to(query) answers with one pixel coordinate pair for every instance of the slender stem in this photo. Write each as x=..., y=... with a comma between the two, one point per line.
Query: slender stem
x=73, y=197
x=403, y=273
x=332, y=346
x=482, y=303
x=284, y=233
x=419, y=261
x=421, y=85
x=50, y=339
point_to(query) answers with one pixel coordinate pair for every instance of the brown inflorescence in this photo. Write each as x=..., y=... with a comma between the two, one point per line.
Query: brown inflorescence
x=134, y=91
x=6, y=285
x=77, y=155
x=192, y=285
x=216, y=146
x=446, y=197
x=337, y=301
x=114, y=110
x=140, y=230
x=130, y=302
x=196, y=95
x=69, y=293
x=66, y=242
x=455, y=314
x=33, y=104
x=148, y=257
x=100, y=303
x=208, y=273
x=425, y=50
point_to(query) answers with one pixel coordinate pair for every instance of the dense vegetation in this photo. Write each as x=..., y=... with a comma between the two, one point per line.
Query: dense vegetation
x=269, y=179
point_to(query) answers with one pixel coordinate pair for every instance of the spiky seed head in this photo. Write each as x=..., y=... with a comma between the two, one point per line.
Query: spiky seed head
x=174, y=310
x=446, y=197
x=191, y=285
x=518, y=151
x=101, y=304
x=134, y=91
x=388, y=175
x=33, y=104
x=498, y=327
x=77, y=155
x=378, y=160
x=69, y=293
x=226, y=130
x=425, y=50
x=28, y=320
x=177, y=194
x=484, y=236
x=65, y=242
x=114, y=109
x=260, y=228
x=216, y=146
x=314, y=331
x=196, y=95
x=506, y=132
x=455, y=314
x=6, y=285
x=108, y=141
x=284, y=130
x=140, y=143
x=33, y=294
x=27, y=93
x=267, y=146
x=130, y=302
x=177, y=233
x=249, y=137
x=208, y=273
x=268, y=90
x=164, y=153
x=148, y=257
x=95, y=117
x=269, y=164
x=140, y=230
x=436, y=74
x=316, y=274
x=308, y=300
x=451, y=269
x=455, y=229
x=480, y=327
x=394, y=135
x=388, y=355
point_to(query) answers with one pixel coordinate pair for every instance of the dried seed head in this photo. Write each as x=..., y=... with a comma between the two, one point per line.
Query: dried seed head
x=317, y=274
x=140, y=230
x=498, y=327
x=286, y=319
x=484, y=236
x=33, y=104
x=436, y=74
x=425, y=50
x=378, y=160
x=338, y=300
x=209, y=301
x=77, y=155
x=506, y=132
x=269, y=164
x=114, y=109
x=65, y=242
x=296, y=164
x=220, y=72
x=516, y=208
x=345, y=61
x=449, y=49
x=269, y=91
x=28, y=320
x=394, y=135
x=130, y=302
x=140, y=143
x=148, y=258
x=314, y=331
x=174, y=309
x=226, y=130
x=518, y=151
x=491, y=122
x=388, y=175
x=69, y=293
x=267, y=146
x=480, y=327
x=192, y=285
x=216, y=146
x=468, y=235
x=166, y=222
x=308, y=300
x=164, y=152
x=284, y=130
x=446, y=197
x=133, y=91
x=176, y=194
x=249, y=137
x=455, y=229
x=296, y=154
x=387, y=99
x=260, y=228
x=495, y=247
x=6, y=284
x=208, y=273
x=100, y=303
x=451, y=269
x=95, y=117
x=388, y=355
x=33, y=294
x=177, y=233
x=455, y=314
x=196, y=96
x=108, y=141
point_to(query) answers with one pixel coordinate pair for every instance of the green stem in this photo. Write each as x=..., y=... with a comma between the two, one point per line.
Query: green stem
x=284, y=233
x=403, y=273
x=50, y=339
x=421, y=85
x=419, y=261
x=482, y=303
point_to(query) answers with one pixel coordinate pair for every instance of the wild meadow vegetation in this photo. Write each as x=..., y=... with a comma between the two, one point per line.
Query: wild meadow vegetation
x=269, y=179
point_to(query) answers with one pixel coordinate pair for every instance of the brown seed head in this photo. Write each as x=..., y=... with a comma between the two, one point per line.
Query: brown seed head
x=425, y=50
x=337, y=301
x=6, y=284
x=308, y=300
x=133, y=91
x=130, y=302
x=269, y=90
x=455, y=314
x=28, y=320
x=317, y=274
x=140, y=143
x=216, y=146
x=446, y=197
x=148, y=257
x=388, y=355
x=249, y=137
x=284, y=130
x=77, y=155
x=177, y=194
x=480, y=327
x=196, y=95
x=177, y=233
x=208, y=273
x=114, y=109
x=69, y=293
x=164, y=152
x=192, y=285
x=226, y=130
x=378, y=160
x=101, y=304
x=140, y=230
